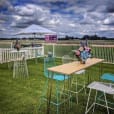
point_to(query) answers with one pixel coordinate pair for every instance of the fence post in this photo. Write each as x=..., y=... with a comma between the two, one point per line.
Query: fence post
x=0, y=55
x=53, y=50
x=11, y=45
x=43, y=49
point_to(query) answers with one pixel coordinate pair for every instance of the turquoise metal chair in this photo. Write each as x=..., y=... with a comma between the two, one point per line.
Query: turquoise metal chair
x=58, y=96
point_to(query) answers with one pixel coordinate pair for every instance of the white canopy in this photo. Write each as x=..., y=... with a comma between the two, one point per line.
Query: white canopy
x=35, y=29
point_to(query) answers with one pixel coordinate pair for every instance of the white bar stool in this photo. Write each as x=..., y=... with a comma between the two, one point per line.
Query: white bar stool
x=78, y=86
x=102, y=87
x=75, y=84
x=20, y=68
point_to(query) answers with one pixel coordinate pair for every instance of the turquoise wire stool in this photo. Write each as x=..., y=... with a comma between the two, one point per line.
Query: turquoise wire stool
x=59, y=97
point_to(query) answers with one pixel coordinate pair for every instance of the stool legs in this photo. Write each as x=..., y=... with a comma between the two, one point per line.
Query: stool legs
x=95, y=102
x=106, y=103
x=87, y=110
x=77, y=90
x=93, y=105
x=20, y=68
x=54, y=98
x=57, y=96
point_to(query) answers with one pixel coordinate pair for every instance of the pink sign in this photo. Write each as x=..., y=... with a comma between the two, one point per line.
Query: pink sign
x=51, y=38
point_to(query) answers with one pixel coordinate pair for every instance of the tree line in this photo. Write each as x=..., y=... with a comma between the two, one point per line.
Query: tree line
x=93, y=37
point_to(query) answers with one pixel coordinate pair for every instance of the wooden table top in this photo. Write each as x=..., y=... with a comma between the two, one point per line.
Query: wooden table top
x=70, y=68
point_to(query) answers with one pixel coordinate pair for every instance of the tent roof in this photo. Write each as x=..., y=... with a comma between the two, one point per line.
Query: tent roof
x=35, y=29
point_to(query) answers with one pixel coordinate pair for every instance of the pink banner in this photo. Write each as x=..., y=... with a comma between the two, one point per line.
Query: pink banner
x=51, y=38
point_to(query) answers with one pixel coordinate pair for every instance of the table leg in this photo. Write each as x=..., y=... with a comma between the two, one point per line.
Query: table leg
x=49, y=92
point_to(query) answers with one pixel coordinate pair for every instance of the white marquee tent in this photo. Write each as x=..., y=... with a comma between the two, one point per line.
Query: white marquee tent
x=35, y=30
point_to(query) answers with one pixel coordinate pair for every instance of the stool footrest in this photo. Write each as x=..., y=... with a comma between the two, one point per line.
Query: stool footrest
x=63, y=98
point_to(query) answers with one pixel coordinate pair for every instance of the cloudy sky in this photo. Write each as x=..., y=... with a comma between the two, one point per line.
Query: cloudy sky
x=72, y=17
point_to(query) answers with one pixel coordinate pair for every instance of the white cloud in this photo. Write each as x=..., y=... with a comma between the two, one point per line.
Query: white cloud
x=6, y=4
x=106, y=28
x=76, y=18
x=109, y=19
x=72, y=24
x=106, y=21
x=25, y=10
x=16, y=17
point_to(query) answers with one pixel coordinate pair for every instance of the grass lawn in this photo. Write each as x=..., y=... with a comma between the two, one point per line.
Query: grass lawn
x=22, y=95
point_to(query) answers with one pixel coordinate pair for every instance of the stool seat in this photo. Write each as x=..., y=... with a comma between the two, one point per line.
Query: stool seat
x=58, y=77
x=100, y=86
x=80, y=72
x=108, y=76
x=105, y=88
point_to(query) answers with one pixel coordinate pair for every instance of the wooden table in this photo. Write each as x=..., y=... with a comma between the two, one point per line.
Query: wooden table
x=73, y=67
x=70, y=68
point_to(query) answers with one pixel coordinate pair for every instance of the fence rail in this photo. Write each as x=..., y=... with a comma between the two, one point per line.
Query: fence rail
x=105, y=52
x=9, y=54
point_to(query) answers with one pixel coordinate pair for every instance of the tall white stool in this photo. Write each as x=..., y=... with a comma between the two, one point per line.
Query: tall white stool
x=20, y=68
x=102, y=87
x=77, y=86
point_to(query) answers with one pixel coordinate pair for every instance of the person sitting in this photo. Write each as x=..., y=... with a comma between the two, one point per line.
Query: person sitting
x=17, y=45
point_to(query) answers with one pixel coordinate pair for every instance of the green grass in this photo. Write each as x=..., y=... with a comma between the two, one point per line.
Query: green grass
x=22, y=95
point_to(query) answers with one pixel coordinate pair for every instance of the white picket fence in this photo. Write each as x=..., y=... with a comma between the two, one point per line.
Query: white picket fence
x=9, y=54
